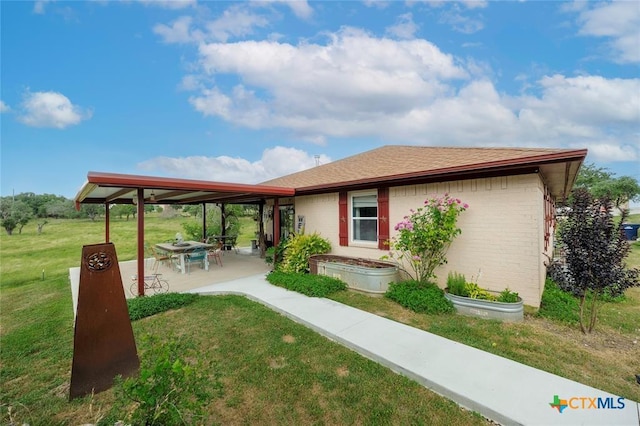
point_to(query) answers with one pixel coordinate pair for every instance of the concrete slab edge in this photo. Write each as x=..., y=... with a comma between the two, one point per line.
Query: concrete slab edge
x=461, y=400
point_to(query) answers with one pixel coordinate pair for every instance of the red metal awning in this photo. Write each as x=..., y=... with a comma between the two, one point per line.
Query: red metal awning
x=102, y=188
x=112, y=188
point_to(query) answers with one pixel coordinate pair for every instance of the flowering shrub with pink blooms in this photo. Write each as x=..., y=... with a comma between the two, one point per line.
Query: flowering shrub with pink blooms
x=424, y=236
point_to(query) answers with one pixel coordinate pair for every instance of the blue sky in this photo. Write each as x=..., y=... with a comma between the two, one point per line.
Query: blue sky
x=248, y=91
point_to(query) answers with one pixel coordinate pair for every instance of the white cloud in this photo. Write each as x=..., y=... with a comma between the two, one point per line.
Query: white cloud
x=353, y=75
x=177, y=32
x=39, y=6
x=170, y=4
x=4, y=107
x=300, y=8
x=51, y=109
x=619, y=22
x=461, y=22
x=228, y=169
x=475, y=4
x=404, y=28
x=408, y=91
x=236, y=21
x=380, y=4
x=612, y=151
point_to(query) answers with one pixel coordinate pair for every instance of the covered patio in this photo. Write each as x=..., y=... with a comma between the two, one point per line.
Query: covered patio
x=235, y=265
x=112, y=188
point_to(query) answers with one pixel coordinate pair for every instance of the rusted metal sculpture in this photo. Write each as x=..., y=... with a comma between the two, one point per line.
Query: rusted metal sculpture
x=103, y=345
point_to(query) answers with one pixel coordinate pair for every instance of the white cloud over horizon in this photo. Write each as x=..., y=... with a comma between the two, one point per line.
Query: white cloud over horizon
x=236, y=169
x=349, y=87
x=51, y=109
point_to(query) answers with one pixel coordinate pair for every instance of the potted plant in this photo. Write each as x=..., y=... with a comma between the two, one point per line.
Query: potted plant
x=470, y=299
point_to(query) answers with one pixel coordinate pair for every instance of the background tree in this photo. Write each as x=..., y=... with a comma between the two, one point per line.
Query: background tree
x=602, y=184
x=92, y=211
x=14, y=214
x=595, y=250
x=61, y=208
x=123, y=210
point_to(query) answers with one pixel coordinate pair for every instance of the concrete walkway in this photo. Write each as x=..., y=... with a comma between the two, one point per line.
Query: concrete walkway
x=500, y=389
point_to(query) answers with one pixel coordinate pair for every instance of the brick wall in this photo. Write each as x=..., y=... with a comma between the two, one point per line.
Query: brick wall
x=502, y=236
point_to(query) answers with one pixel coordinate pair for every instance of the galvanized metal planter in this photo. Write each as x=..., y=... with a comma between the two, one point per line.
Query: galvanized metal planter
x=367, y=275
x=508, y=312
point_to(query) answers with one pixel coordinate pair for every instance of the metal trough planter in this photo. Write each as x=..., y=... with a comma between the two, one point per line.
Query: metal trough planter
x=487, y=309
x=367, y=275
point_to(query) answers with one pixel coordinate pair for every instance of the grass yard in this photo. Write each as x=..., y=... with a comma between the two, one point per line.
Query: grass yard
x=272, y=369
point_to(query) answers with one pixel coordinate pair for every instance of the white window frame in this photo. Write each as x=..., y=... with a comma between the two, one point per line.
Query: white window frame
x=352, y=219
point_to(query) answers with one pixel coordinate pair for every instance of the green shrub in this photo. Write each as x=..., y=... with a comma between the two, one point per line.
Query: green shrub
x=474, y=291
x=558, y=305
x=142, y=307
x=168, y=390
x=274, y=255
x=299, y=248
x=420, y=297
x=310, y=285
x=456, y=284
x=508, y=296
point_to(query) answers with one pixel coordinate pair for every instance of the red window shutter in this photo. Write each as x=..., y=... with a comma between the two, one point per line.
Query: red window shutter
x=383, y=218
x=343, y=219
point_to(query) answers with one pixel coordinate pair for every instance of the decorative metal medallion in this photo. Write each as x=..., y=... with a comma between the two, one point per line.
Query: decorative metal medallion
x=99, y=261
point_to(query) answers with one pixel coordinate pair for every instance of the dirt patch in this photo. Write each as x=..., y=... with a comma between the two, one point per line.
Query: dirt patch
x=277, y=363
x=342, y=371
x=287, y=338
x=597, y=341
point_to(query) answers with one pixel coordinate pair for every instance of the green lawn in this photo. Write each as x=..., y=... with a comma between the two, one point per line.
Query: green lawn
x=272, y=369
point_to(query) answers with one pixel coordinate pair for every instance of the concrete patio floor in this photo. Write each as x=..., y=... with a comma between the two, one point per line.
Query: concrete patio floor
x=235, y=265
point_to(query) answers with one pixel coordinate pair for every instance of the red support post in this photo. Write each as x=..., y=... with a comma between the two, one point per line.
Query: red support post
x=140, y=256
x=106, y=222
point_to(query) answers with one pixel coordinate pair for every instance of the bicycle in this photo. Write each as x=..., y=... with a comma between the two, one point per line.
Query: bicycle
x=151, y=282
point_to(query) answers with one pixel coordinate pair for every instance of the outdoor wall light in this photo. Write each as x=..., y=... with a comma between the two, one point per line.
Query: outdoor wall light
x=152, y=197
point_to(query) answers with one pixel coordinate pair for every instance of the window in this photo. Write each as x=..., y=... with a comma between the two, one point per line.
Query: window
x=364, y=217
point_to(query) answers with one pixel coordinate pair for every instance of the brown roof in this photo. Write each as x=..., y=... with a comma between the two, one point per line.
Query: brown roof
x=399, y=164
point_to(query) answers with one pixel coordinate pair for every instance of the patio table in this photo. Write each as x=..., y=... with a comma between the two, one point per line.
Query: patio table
x=182, y=249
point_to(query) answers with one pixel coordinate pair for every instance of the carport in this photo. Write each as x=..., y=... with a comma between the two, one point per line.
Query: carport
x=113, y=188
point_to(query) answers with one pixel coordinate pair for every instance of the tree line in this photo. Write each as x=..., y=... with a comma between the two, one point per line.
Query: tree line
x=18, y=210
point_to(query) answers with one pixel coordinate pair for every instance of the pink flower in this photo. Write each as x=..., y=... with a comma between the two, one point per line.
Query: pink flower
x=465, y=205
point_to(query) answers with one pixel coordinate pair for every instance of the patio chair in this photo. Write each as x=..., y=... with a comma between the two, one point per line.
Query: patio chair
x=159, y=258
x=215, y=254
x=196, y=256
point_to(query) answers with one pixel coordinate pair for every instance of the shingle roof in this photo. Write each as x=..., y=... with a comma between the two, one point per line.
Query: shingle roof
x=400, y=162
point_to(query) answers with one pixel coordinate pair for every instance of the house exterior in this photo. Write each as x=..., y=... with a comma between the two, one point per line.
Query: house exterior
x=507, y=231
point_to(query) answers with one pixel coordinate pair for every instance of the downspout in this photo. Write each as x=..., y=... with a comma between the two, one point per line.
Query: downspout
x=140, y=205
